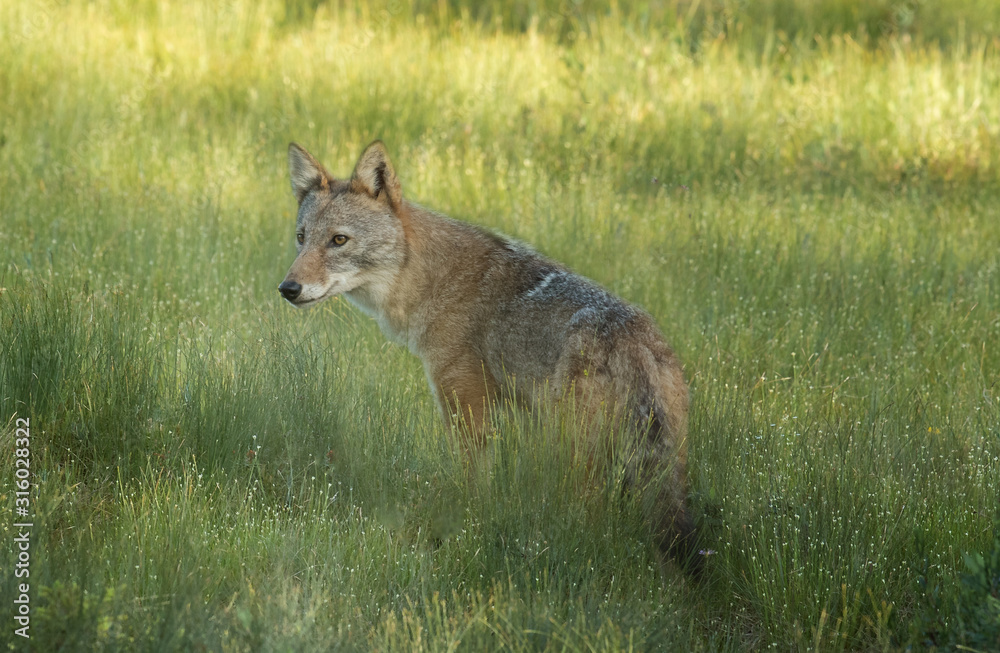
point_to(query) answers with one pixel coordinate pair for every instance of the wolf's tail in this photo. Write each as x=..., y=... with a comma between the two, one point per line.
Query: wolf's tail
x=665, y=496
x=659, y=472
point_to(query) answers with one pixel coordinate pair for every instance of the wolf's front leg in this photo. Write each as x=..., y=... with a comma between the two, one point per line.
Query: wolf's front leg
x=465, y=391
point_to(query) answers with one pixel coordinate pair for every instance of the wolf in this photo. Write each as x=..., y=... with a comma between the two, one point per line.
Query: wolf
x=493, y=322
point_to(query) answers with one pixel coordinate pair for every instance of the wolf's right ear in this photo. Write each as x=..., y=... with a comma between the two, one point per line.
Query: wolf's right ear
x=374, y=175
x=306, y=172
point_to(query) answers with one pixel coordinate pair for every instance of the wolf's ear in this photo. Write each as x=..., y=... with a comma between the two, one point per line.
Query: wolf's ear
x=374, y=175
x=306, y=172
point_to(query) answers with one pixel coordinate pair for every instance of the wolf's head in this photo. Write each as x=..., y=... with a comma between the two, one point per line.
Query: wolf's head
x=350, y=234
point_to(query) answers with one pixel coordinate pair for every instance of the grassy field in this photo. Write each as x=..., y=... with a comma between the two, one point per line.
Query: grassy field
x=803, y=194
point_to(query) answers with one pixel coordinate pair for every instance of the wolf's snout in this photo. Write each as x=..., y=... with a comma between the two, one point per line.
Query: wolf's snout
x=290, y=290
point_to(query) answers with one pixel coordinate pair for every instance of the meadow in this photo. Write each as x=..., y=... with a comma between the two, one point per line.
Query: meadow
x=803, y=194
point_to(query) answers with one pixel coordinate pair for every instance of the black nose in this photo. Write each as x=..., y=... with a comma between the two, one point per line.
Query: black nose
x=290, y=290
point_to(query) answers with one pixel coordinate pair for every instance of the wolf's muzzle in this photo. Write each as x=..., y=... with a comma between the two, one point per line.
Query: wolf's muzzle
x=290, y=290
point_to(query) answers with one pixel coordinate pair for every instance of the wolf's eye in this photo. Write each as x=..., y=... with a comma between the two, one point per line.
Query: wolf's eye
x=339, y=240
x=301, y=237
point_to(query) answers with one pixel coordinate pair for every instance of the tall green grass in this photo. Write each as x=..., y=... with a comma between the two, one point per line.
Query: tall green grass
x=801, y=194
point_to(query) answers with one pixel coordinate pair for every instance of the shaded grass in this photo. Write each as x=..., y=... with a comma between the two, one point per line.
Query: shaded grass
x=809, y=221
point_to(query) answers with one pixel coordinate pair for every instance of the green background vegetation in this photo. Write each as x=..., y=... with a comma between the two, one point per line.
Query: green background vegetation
x=802, y=193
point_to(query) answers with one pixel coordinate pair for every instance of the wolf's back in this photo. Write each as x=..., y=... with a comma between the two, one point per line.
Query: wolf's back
x=571, y=332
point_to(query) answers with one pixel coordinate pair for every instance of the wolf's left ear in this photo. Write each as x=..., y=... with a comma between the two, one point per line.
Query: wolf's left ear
x=306, y=172
x=374, y=175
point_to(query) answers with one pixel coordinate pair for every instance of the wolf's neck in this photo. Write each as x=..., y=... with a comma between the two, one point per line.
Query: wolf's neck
x=393, y=296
